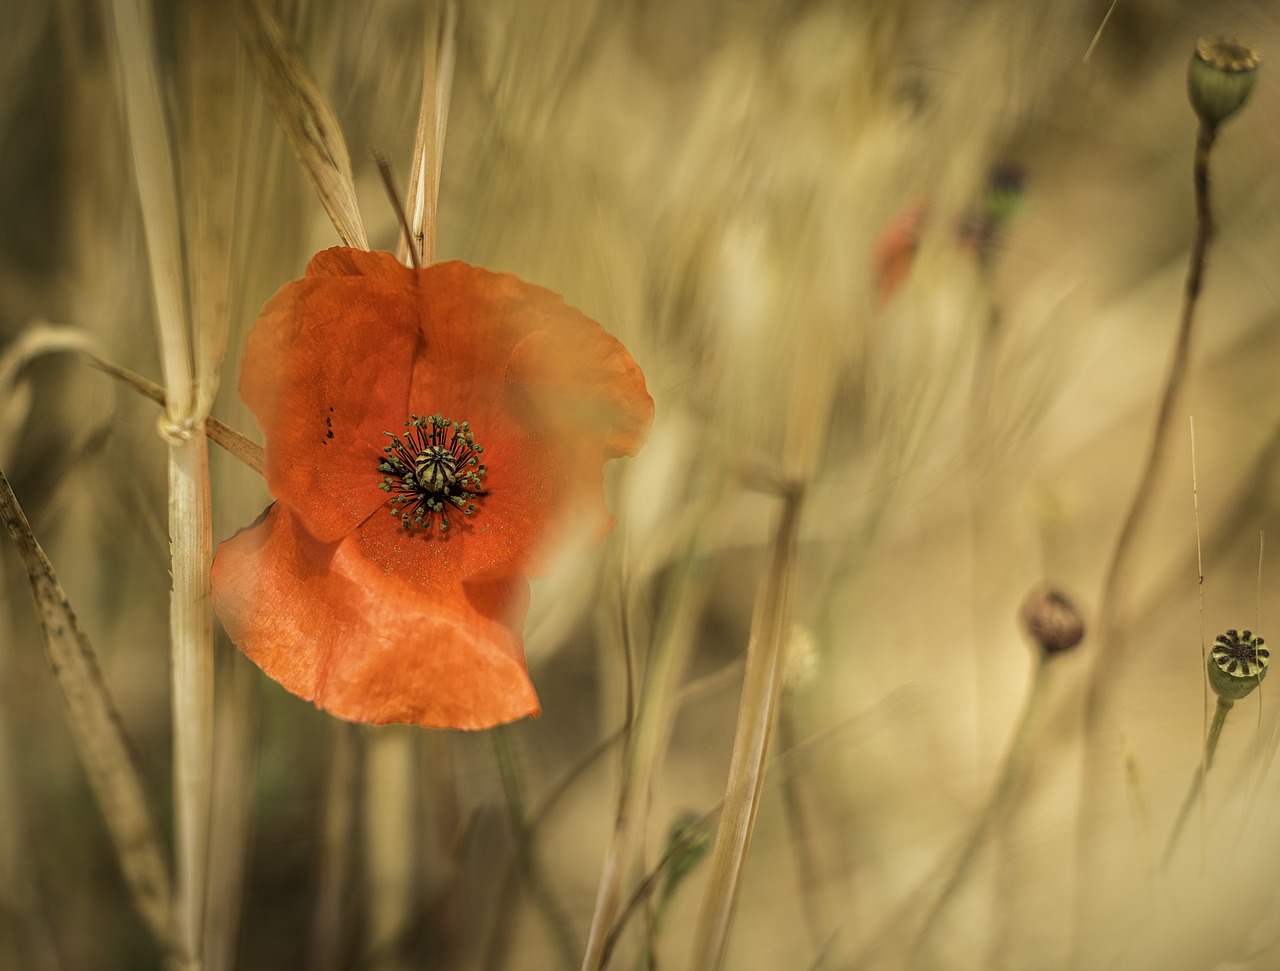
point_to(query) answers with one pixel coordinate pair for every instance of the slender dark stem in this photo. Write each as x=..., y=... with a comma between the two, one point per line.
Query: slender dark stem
x=1111, y=611
x=389, y=183
x=1197, y=779
x=644, y=890
x=1112, y=620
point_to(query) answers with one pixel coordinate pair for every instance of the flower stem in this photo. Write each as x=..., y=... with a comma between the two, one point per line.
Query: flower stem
x=390, y=834
x=1197, y=778
x=1011, y=770
x=644, y=745
x=336, y=848
x=1112, y=620
x=535, y=876
x=757, y=715
x=1111, y=610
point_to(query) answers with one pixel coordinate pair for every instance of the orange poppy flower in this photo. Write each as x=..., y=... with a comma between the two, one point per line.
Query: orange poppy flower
x=427, y=433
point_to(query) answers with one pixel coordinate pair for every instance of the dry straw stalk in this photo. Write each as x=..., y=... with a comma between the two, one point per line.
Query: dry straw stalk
x=757, y=716
x=303, y=113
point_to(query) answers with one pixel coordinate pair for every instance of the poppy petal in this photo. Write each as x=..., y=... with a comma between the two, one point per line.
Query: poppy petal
x=537, y=490
x=593, y=388
x=321, y=376
x=331, y=626
x=548, y=393
x=894, y=251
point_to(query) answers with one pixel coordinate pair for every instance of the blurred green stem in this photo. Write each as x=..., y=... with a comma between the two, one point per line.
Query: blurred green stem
x=645, y=743
x=1197, y=779
x=534, y=874
x=1011, y=771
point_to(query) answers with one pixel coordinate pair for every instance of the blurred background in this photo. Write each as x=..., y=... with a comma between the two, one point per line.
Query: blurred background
x=925, y=258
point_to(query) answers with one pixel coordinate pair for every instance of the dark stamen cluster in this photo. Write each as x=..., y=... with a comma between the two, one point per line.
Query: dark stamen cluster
x=429, y=468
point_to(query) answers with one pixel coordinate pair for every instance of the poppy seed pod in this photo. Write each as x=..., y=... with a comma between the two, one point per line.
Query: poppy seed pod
x=1052, y=620
x=1237, y=664
x=1220, y=78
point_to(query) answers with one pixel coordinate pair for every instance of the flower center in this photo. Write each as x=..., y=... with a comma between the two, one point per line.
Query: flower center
x=1241, y=655
x=436, y=468
x=431, y=469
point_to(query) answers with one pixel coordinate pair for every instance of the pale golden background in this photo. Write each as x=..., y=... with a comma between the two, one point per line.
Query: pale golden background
x=707, y=179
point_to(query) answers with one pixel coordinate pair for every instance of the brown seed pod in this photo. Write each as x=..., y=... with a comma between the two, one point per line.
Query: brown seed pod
x=1052, y=620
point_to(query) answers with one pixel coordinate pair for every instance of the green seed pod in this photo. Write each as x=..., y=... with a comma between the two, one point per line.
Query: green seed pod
x=1237, y=664
x=1220, y=78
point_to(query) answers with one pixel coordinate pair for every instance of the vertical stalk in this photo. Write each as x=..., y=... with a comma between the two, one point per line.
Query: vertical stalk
x=428, y=144
x=191, y=639
x=1197, y=778
x=391, y=845
x=190, y=532
x=1114, y=602
x=757, y=715
x=655, y=708
x=535, y=876
x=327, y=924
x=1011, y=770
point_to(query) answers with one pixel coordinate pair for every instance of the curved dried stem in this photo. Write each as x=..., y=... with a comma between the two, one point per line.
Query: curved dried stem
x=97, y=730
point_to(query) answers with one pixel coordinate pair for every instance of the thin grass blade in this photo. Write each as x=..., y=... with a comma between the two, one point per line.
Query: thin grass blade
x=304, y=114
x=97, y=730
x=757, y=716
x=645, y=746
x=428, y=142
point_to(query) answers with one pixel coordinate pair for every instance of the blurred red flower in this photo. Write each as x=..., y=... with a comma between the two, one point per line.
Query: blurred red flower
x=894, y=251
x=427, y=433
